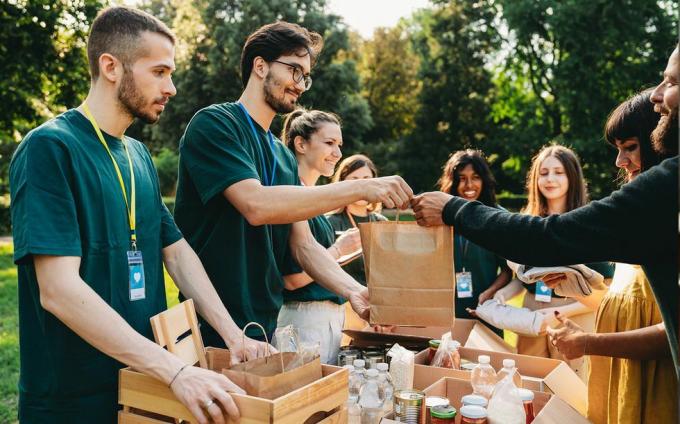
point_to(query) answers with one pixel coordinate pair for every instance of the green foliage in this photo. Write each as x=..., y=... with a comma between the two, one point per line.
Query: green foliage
x=9, y=336
x=167, y=164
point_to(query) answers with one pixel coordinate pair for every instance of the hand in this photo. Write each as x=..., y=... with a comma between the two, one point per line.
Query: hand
x=384, y=328
x=390, y=191
x=359, y=301
x=554, y=280
x=486, y=295
x=472, y=312
x=549, y=318
x=252, y=349
x=348, y=242
x=570, y=339
x=197, y=387
x=428, y=207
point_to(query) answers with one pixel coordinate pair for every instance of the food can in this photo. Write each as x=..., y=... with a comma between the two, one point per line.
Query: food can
x=409, y=406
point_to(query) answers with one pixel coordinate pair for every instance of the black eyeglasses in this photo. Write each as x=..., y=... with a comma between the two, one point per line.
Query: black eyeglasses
x=298, y=75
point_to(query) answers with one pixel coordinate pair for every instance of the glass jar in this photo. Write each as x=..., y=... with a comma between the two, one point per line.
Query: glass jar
x=440, y=414
x=433, y=346
x=471, y=414
x=527, y=397
x=431, y=402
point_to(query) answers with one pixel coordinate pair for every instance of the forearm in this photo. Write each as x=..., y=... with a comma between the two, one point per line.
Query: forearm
x=188, y=273
x=301, y=279
x=642, y=344
x=501, y=280
x=322, y=268
x=75, y=304
x=286, y=204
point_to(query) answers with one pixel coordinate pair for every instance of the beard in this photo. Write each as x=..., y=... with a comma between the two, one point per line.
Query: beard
x=665, y=135
x=271, y=85
x=133, y=101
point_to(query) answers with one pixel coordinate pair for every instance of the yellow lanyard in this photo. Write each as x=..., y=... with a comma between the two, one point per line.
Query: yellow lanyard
x=129, y=206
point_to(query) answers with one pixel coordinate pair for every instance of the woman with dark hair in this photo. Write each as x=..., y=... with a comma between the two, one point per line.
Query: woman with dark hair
x=624, y=388
x=315, y=138
x=479, y=272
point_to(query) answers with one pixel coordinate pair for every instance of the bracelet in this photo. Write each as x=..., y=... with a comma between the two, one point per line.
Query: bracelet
x=177, y=374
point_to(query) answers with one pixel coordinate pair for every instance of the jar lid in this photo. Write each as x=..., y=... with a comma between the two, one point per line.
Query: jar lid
x=432, y=401
x=474, y=400
x=435, y=343
x=443, y=411
x=473, y=411
x=525, y=394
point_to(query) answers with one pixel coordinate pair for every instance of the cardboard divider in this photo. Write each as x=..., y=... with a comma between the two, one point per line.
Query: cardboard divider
x=538, y=374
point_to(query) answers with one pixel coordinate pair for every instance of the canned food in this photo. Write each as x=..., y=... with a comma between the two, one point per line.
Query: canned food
x=409, y=406
x=431, y=402
x=347, y=356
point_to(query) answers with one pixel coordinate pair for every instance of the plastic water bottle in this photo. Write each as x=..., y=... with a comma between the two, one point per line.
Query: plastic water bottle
x=356, y=380
x=370, y=399
x=509, y=368
x=483, y=377
x=386, y=386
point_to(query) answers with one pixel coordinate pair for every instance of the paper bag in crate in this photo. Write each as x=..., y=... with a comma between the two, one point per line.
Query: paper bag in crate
x=410, y=273
x=274, y=375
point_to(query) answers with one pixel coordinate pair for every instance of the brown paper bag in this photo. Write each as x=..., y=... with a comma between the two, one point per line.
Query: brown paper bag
x=263, y=377
x=410, y=273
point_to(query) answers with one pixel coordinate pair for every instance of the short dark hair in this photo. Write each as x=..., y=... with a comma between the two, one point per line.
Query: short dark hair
x=278, y=39
x=635, y=117
x=303, y=123
x=116, y=31
x=448, y=182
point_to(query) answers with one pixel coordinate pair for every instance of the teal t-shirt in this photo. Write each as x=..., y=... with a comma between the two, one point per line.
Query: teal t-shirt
x=484, y=266
x=67, y=201
x=340, y=222
x=243, y=261
x=324, y=234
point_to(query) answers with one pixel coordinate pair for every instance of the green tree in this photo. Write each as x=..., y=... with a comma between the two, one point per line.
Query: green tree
x=212, y=34
x=44, y=65
x=453, y=42
x=579, y=59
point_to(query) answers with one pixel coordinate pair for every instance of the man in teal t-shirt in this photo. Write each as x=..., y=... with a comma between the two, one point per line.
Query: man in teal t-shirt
x=90, y=242
x=238, y=193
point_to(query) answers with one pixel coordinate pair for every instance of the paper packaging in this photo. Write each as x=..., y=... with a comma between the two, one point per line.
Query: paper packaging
x=538, y=374
x=469, y=332
x=410, y=273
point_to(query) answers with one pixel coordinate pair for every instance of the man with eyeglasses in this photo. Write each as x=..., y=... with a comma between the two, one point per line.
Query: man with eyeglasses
x=239, y=201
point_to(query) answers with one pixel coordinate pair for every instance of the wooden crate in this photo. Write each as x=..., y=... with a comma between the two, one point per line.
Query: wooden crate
x=322, y=400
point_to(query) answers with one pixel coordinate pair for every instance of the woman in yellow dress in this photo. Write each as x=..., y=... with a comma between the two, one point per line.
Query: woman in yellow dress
x=631, y=378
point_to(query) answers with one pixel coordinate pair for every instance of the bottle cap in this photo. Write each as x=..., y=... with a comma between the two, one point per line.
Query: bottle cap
x=525, y=394
x=382, y=366
x=508, y=363
x=443, y=411
x=359, y=363
x=476, y=400
x=473, y=411
x=372, y=372
x=483, y=359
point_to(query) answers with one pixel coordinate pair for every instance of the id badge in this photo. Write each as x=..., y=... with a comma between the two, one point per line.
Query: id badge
x=463, y=284
x=136, y=275
x=543, y=292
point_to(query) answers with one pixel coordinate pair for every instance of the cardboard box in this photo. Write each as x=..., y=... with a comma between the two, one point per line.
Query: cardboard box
x=538, y=374
x=321, y=400
x=469, y=332
x=548, y=409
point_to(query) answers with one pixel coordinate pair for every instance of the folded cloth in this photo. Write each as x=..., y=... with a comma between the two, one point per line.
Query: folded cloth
x=580, y=280
x=520, y=320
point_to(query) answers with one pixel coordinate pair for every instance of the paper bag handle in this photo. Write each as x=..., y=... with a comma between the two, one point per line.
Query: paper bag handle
x=266, y=339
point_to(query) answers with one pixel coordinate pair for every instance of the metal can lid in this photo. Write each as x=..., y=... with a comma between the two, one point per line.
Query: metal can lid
x=473, y=411
x=432, y=401
x=435, y=343
x=525, y=394
x=476, y=400
x=409, y=394
x=443, y=411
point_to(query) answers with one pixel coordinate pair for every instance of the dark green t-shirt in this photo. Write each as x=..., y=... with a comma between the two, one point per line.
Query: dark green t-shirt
x=340, y=222
x=324, y=234
x=482, y=264
x=219, y=149
x=67, y=201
